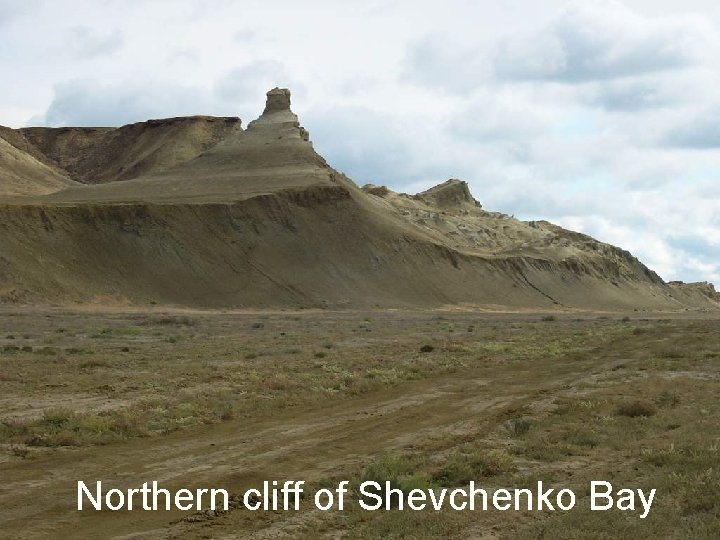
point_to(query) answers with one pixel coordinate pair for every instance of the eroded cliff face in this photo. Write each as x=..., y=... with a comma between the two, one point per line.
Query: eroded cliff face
x=100, y=155
x=695, y=294
x=453, y=194
x=259, y=219
x=301, y=248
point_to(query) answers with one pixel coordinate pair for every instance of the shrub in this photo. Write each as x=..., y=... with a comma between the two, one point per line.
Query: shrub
x=427, y=348
x=400, y=471
x=667, y=399
x=461, y=468
x=89, y=364
x=57, y=417
x=548, y=318
x=175, y=321
x=518, y=426
x=636, y=408
x=582, y=437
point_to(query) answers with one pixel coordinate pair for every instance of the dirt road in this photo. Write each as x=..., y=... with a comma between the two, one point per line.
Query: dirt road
x=38, y=498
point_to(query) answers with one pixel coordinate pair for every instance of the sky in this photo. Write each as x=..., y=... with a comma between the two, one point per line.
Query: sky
x=601, y=116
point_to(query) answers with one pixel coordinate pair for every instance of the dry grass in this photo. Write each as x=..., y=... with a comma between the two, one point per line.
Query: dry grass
x=143, y=375
x=634, y=402
x=668, y=438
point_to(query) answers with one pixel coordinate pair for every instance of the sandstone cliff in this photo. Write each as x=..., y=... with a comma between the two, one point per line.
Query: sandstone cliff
x=256, y=218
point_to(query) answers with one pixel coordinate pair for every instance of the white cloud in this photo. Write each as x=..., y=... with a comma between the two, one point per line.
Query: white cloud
x=372, y=147
x=90, y=103
x=12, y=9
x=90, y=43
x=603, y=40
x=700, y=131
x=247, y=84
x=438, y=62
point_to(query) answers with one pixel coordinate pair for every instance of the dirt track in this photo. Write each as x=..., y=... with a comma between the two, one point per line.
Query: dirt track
x=38, y=497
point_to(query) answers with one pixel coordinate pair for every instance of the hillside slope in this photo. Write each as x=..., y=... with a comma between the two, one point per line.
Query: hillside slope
x=21, y=174
x=261, y=220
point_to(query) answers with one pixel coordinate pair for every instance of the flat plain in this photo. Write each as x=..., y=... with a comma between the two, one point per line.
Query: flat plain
x=421, y=398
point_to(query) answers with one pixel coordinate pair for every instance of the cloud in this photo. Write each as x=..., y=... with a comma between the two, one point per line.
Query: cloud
x=245, y=83
x=689, y=243
x=373, y=147
x=91, y=103
x=247, y=36
x=603, y=40
x=585, y=42
x=88, y=43
x=12, y=9
x=440, y=63
x=700, y=132
x=494, y=116
x=630, y=95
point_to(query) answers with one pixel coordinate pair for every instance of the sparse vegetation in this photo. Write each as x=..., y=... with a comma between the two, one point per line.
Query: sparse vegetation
x=504, y=405
x=475, y=464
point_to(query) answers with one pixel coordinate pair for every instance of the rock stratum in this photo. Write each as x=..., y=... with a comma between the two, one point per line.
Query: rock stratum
x=199, y=212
